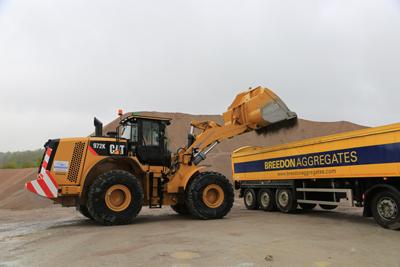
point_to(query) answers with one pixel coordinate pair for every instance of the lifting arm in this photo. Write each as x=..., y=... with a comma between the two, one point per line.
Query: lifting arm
x=251, y=110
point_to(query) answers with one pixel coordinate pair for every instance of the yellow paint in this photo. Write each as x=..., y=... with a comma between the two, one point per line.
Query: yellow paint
x=70, y=190
x=118, y=198
x=355, y=139
x=213, y=196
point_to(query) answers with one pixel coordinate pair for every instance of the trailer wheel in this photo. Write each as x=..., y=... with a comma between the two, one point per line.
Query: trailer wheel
x=250, y=199
x=385, y=209
x=84, y=211
x=209, y=196
x=115, y=198
x=328, y=207
x=307, y=206
x=266, y=198
x=181, y=209
x=286, y=200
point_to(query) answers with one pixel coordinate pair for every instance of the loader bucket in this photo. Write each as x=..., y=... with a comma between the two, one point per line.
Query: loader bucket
x=258, y=108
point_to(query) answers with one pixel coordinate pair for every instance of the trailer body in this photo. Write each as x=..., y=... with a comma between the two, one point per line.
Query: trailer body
x=358, y=168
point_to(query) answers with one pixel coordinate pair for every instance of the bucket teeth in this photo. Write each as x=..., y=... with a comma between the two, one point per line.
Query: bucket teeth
x=277, y=111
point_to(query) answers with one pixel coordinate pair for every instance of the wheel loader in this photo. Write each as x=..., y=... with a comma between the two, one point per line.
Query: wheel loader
x=109, y=177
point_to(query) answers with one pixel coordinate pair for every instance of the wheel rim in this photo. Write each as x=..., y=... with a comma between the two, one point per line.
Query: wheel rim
x=283, y=198
x=118, y=198
x=265, y=199
x=213, y=196
x=387, y=208
x=249, y=199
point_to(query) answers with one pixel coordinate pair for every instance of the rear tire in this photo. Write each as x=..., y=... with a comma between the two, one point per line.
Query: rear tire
x=286, y=200
x=209, y=196
x=328, y=207
x=181, y=209
x=115, y=198
x=84, y=211
x=266, y=198
x=385, y=209
x=307, y=206
x=250, y=199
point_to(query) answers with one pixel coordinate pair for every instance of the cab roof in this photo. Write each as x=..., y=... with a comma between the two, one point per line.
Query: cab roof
x=136, y=116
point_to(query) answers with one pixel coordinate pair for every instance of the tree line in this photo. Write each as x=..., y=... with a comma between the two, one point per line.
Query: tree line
x=21, y=159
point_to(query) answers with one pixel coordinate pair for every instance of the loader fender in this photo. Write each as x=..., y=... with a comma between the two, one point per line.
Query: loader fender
x=191, y=176
x=107, y=164
x=182, y=178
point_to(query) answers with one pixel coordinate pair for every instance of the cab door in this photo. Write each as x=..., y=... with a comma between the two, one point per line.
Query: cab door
x=151, y=144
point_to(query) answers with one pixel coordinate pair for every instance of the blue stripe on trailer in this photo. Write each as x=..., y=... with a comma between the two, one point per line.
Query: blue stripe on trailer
x=379, y=154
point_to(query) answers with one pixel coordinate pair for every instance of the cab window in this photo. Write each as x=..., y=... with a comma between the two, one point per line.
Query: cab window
x=135, y=133
x=151, y=133
x=130, y=132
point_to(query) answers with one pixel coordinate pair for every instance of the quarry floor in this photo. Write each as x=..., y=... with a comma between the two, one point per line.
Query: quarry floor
x=62, y=237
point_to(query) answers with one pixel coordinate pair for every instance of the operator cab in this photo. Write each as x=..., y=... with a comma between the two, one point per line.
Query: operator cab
x=147, y=139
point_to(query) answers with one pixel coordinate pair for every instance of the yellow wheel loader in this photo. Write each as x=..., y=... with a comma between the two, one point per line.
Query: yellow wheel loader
x=110, y=177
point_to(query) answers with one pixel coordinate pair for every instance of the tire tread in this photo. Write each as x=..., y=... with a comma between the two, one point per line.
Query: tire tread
x=96, y=206
x=193, y=197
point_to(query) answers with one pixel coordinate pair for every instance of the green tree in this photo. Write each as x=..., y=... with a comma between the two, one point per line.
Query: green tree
x=21, y=159
x=10, y=165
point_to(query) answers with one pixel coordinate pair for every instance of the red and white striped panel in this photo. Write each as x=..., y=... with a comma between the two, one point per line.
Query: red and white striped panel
x=45, y=185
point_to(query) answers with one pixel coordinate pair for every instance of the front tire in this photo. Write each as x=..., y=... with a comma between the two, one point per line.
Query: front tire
x=209, y=196
x=115, y=198
x=385, y=209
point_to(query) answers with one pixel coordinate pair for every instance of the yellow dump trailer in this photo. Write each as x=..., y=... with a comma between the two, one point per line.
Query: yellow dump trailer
x=359, y=168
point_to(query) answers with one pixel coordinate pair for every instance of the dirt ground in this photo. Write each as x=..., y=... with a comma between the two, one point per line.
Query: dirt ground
x=62, y=237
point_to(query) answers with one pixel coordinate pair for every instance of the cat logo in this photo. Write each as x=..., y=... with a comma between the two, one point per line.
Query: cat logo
x=116, y=149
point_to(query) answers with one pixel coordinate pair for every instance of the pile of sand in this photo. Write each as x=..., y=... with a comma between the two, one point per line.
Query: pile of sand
x=13, y=195
x=12, y=190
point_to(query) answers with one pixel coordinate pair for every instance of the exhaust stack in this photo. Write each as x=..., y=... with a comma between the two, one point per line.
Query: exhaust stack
x=98, y=125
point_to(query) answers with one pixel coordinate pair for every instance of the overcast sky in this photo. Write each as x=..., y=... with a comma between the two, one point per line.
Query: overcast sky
x=63, y=62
